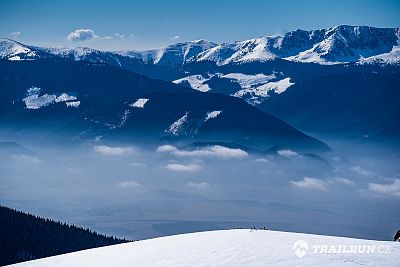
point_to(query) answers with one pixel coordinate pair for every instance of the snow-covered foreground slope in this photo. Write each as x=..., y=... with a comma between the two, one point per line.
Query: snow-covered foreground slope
x=234, y=248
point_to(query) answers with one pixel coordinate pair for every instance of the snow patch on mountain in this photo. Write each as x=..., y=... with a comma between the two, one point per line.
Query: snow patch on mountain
x=73, y=104
x=212, y=115
x=196, y=82
x=34, y=100
x=65, y=97
x=15, y=58
x=177, y=127
x=139, y=103
x=256, y=95
x=248, y=81
x=239, y=247
x=391, y=58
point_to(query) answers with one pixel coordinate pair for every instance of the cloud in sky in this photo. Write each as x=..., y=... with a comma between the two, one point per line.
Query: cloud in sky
x=177, y=167
x=264, y=160
x=287, y=153
x=386, y=189
x=138, y=164
x=361, y=171
x=212, y=151
x=343, y=181
x=15, y=35
x=26, y=158
x=113, y=151
x=175, y=37
x=310, y=183
x=82, y=35
x=200, y=185
x=128, y=184
x=119, y=36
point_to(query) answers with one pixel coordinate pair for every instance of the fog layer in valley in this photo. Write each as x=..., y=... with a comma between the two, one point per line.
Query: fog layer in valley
x=141, y=192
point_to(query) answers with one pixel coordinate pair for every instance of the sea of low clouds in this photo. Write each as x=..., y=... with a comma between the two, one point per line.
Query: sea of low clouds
x=136, y=192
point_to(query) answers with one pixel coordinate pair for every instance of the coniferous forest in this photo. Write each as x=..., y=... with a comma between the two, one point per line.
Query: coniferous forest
x=26, y=237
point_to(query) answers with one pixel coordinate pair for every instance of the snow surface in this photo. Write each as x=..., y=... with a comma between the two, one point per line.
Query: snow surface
x=175, y=54
x=391, y=58
x=14, y=51
x=65, y=97
x=258, y=94
x=240, y=247
x=247, y=81
x=34, y=100
x=139, y=103
x=73, y=104
x=212, y=115
x=177, y=126
x=15, y=58
x=196, y=82
x=238, y=52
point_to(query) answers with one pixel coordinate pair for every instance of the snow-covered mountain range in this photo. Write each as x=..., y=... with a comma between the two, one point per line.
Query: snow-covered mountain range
x=335, y=45
x=197, y=63
x=241, y=247
x=269, y=70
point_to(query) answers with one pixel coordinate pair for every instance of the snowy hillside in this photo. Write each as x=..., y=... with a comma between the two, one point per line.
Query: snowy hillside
x=174, y=55
x=235, y=248
x=13, y=50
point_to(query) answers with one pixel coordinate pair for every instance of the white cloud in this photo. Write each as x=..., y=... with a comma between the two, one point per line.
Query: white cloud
x=361, y=171
x=212, y=151
x=386, y=189
x=343, y=181
x=287, y=153
x=264, y=160
x=183, y=167
x=310, y=183
x=113, y=151
x=81, y=35
x=138, y=164
x=175, y=37
x=128, y=184
x=15, y=35
x=26, y=158
x=200, y=185
x=119, y=36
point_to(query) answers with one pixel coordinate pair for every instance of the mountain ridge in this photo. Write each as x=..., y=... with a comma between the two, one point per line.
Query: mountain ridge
x=335, y=45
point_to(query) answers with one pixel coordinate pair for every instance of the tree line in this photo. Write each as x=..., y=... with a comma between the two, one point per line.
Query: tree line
x=26, y=237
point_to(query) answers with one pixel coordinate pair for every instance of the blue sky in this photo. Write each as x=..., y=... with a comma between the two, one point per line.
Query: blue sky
x=148, y=24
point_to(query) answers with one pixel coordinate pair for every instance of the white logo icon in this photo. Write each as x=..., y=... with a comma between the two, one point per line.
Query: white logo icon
x=300, y=247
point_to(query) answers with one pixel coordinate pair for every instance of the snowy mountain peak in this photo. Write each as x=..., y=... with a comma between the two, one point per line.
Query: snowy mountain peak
x=238, y=52
x=175, y=54
x=13, y=50
x=344, y=43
